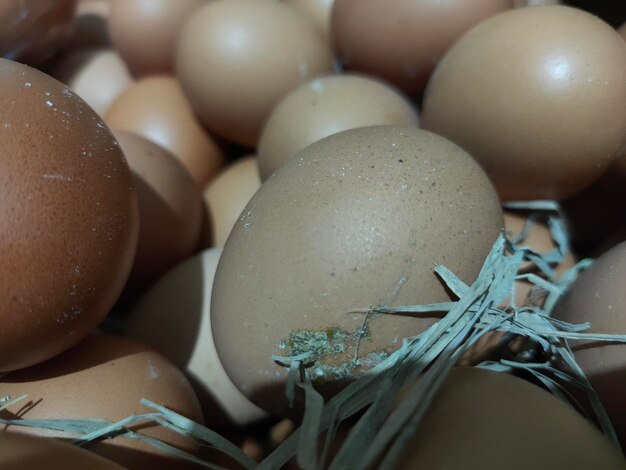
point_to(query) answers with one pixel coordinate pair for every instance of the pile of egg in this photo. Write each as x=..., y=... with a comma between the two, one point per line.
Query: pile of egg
x=189, y=187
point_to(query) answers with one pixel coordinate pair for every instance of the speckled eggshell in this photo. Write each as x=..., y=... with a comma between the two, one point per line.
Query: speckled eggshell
x=401, y=41
x=599, y=296
x=69, y=213
x=482, y=419
x=357, y=219
x=237, y=58
x=156, y=108
x=32, y=31
x=170, y=209
x=529, y=94
x=145, y=32
x=36, y=453
x=325, y=106
x=105, y=377
x=227, y=195
x=174, y=317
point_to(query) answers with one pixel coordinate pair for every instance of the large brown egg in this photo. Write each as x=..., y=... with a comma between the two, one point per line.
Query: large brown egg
x=32, y=31
x=145, y=32
x=237, y=58
x=174, y=317
x=228, y=194
x=402, y=40
x=482, y=419
x=599, y=296
x=105, y=377
x=36, y=453
x=536, y=96
x=357, y=219
x=98, y=76
x=155, y=108
x=170, y=208
x=325, y=106
x=69, y=213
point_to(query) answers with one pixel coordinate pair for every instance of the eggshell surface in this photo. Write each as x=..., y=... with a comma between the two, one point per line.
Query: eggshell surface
x=69, y=212
x=495, y=420
x=357, y=219
x=170, y=208
x=528, y=94
x=598, y=296
x=402, y=40
x=325, y=106
x=236, y=58
x=174, y=317
x=317, y=11
x=105, y=377
x=20, y=452
x=227, y=195
x=156, y=108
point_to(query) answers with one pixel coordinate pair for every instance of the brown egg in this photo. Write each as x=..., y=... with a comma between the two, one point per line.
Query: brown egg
x=317, y=11
x=105, y=377
x=529, y=93
x=325, y=106
x=599, y=296
x=357, y=219
x=228, y=194
x=156, y=109
x=100, y=8
x=145, y=32
x=70, y=217
x=535, y=3
x=622, y=30
x=19, y=452
x=483, y=419
x=98, y=76
x=170, y=209
x=237, y=58
x=174, y=317
x=33, y=31
x=402, y=40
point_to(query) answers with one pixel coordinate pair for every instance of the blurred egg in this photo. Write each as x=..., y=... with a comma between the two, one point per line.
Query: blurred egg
x=401, y=41
x=482, y=419
x=18, y=452
x=317, y=11
x=357, y=219
x=598, y=296
x=89, y=29
x=69, y=213
x=325, y=106
x=32, y=31
x=228, y=194
x=535, y=3
x=98, y=76
x=100, y=8
x=237, y=58
x=170, y=209
x=105, y=377
x=145, y=32
x=155, y=108
x=174, y=317
x=529, y=94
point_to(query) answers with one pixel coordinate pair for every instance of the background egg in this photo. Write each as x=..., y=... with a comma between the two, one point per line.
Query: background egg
x=105, y=377
x=402, y=40
x=237, y=58
x=170, y=209
x=155, y=108
x=174, y=317
x=70, y=217
x=227, y=195
x=483, y=419
x=145, y=32
x=529, y=93
x=357, y=219
x=317, y=11
x=325, y=106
